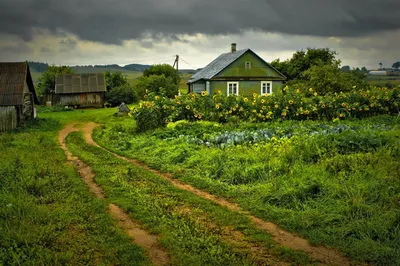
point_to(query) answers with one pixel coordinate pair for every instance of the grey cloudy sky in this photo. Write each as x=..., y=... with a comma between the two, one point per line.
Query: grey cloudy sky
x=364, y=32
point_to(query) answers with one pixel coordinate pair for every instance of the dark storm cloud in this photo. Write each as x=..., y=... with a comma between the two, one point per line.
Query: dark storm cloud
x=112, y=21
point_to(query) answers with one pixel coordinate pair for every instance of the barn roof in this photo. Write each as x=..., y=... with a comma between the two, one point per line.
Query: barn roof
x=220, y=63
x=80, y=83
x=12, y=83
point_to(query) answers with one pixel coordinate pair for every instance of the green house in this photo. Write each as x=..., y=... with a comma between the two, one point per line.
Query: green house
x=240, y=72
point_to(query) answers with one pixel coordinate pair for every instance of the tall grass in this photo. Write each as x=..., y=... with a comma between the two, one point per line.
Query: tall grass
x=336, y=183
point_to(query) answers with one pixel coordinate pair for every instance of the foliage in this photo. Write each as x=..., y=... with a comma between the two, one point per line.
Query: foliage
x=119, y=89
x=38, y=66
x=124, y=94
x=163, y=69
x=330, y=78
x=335, y=182
x=396, y=64
x=157, y=84
x=47, y=82
x=115, y=80
x=292, y=104
x=303, y=60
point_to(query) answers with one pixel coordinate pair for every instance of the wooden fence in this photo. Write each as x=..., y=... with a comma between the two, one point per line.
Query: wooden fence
x=8, y=118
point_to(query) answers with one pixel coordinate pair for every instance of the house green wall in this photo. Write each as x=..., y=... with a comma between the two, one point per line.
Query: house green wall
x=258, y=68
x=249, y=79
x=246, y=88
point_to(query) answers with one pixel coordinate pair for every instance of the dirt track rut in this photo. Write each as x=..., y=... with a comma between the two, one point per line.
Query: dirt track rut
x=280, y=236
x=141, y=237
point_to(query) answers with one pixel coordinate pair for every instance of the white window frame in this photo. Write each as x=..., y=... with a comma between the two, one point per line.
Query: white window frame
x=270, y=86
x=247, y=63
x=232, y=83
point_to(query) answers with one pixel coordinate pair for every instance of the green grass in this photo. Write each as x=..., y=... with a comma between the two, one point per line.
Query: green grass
x=180, y=218
x=384, y=81
x=47, y=215
x=339, y=187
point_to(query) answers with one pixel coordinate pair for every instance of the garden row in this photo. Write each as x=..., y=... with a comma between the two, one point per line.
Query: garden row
x=288, y=104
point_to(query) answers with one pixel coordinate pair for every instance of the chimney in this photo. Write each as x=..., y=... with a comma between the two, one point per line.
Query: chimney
x=233, y=47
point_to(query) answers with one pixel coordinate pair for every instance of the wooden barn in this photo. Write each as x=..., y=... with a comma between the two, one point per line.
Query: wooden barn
x=17, y=95
x=80, y=90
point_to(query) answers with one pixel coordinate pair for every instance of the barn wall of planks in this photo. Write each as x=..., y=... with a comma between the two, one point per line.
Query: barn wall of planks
x=8, y=118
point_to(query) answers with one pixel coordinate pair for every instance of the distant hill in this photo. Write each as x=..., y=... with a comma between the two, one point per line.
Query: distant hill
x=41, y=67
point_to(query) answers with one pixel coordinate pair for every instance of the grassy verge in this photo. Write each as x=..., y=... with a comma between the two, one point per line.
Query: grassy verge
x=336, y=183
x=195, y=231
x=47, y=215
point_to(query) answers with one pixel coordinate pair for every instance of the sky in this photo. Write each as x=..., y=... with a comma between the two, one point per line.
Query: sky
x=89, y=32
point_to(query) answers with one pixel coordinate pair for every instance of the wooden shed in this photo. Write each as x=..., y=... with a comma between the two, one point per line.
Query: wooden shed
x=17, y=95
x=80, y=90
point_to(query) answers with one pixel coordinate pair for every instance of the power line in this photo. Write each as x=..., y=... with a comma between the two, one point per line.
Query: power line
x=188, y=63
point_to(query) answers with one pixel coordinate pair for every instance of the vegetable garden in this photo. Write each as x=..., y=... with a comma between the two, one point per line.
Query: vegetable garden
x=326, y=167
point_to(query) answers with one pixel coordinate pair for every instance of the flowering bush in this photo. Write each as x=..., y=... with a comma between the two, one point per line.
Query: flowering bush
x=295, y=104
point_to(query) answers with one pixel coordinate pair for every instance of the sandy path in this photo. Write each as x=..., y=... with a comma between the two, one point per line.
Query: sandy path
x=280, y=236
x=149, y=242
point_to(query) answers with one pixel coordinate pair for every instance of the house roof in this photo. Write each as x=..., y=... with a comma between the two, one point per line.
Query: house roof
x=80, y=83
x=13, y=77
x=220, y=63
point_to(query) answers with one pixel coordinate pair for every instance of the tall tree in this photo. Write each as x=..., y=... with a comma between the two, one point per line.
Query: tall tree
x=47, y=82
x=396, y=65
x=301, y=61
x=380, y=65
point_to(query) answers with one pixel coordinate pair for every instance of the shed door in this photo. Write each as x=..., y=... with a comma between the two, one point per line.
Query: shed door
x=83, y=98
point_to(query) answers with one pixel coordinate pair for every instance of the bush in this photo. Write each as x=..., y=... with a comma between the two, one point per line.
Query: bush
x=122, y=94
x=287, y=104
x=156, y=84
x=330, y=79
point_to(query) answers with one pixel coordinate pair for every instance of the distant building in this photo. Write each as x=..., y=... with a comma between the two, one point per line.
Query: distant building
x=80, y=90
x=17, y=95
x=240, y=72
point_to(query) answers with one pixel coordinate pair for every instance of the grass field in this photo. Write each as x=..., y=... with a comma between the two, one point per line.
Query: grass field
x=381, y=81
x=47, y=215
x=50, y=218
x=335, y=183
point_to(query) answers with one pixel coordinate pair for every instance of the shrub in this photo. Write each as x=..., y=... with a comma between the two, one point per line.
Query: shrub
x=156, y=84
x=122, y=94
x=287, y=104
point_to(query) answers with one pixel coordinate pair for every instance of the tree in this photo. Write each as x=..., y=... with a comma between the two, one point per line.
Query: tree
x=157, y=84
x=301, y=61
x=396, y=65
x=330, y=79
x=380, y=65
x=119, y=89
x=163, y=69
x=115, y=80
x=345, y=69
x=47, y=82
x=364, y=69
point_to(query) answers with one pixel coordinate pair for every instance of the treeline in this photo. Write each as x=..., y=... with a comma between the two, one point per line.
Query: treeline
x=42, y=67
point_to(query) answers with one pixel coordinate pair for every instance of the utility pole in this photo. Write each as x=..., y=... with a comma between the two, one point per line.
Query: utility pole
x=177, y=72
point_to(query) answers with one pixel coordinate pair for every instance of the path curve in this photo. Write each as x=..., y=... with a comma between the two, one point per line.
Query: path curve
x=149, y=242
x=323, y=254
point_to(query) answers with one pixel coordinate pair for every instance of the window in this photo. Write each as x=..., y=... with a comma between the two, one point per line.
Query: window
x=233, y=88
x=248, y=65
x=266, y=87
